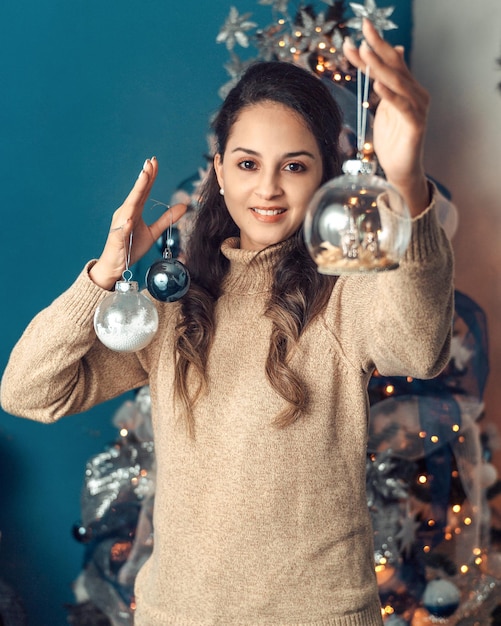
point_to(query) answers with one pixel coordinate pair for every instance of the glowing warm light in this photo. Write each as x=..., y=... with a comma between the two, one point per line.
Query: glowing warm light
x=365, y=105
x=448, y=536
x=467, y=521
x=322, y=45
x=281, y=43
x=426, y=549
x=477, y=551
x=388, y=610
x=298, y=33
x=478, y=560
x=144, y=472
x=293, y=50
x=457, y=531
x=409, y=379
x=348, y=77
x=320, y=68
x=389, y=389
x=431, y=523
x=422, y=479
x=318, y=29
x=281, y=21
x=455, y=427
x=124, y=432
x=434, y=439
x=422, y=434
x=337, y=76
x=461, y=439
x=455, y=474
x=456, y=508
x=464, y=569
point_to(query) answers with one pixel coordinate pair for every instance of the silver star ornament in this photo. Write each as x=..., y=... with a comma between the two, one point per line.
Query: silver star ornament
x=369, y=10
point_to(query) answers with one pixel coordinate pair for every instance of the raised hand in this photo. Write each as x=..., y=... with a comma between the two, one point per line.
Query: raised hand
x=129, y=218
x=401, y=115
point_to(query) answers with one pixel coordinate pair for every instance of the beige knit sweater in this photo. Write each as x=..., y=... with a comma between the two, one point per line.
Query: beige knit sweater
x=254, y=525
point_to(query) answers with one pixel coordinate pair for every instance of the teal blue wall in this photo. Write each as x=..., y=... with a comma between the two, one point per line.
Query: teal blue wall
x=89, y=89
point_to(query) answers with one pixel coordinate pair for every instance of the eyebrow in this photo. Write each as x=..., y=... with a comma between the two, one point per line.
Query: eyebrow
x=288, y=155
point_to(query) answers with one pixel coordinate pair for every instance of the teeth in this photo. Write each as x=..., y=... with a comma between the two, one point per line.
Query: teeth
x=268, y=211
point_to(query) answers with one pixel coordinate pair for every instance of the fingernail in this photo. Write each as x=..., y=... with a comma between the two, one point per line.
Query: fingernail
x=153, y=158
x=146, y=163
x=348, y=41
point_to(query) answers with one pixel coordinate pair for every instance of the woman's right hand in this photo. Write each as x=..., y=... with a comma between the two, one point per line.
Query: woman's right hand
x=129, y=218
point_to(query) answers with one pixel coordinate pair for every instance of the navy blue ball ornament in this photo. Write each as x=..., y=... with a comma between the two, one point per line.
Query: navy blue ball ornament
x=441, y=598
x=167, y=280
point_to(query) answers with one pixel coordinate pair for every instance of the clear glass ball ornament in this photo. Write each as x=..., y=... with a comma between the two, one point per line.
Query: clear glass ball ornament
x=357, y=222
x=126, y=320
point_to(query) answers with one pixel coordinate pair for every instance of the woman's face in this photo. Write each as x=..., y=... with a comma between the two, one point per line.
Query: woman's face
x=269, y=171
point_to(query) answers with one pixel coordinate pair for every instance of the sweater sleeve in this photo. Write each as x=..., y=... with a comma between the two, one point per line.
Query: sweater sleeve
x=59, y=367
x=400, y=322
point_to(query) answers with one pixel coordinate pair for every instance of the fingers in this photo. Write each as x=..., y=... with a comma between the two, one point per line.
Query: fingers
x=166, y=219
x=132, y=207
x=393, y=80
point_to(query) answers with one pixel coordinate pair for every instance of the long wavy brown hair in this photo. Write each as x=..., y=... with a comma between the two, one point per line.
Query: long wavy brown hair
x=299, y=292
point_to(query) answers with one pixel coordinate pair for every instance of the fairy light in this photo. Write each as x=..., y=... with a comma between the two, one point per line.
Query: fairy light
x=337, y=76
x=467, y=521
x=431, y=523
x=434, y=439
x=464, y=569
x=456, y=508
x=389, y=389
x=422, y=434
x=455, y=428
x=124, y=432
x=322, y=45
x=426, y=549
x=423, y=479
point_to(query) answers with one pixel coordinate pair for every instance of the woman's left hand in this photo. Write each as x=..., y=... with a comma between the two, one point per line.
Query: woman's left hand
x=401, y=115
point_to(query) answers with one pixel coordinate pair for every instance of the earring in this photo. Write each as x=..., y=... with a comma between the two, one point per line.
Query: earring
x=221, y=191
x=168, y=279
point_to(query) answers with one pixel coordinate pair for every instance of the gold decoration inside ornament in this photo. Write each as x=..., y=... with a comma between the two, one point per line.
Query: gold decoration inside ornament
x=357, y=222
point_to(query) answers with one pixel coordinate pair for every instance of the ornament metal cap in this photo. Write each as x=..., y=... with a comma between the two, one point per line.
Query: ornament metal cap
x=359, y=166
x=125, y=286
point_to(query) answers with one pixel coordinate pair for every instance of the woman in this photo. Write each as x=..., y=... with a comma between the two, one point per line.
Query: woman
x=258, y=377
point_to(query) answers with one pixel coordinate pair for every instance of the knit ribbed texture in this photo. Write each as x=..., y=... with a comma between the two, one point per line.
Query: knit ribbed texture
x=254, y=525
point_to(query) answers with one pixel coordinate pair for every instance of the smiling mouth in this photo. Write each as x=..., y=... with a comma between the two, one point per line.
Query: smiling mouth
x=268, y=211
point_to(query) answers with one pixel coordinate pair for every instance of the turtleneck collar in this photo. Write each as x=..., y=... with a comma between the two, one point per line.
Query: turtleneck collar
x=250, y=271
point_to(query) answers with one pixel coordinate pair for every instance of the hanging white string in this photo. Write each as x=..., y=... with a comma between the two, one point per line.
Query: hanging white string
x=363, y=84
x=127, y=274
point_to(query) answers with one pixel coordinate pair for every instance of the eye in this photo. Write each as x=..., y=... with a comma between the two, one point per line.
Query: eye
x=247, y=164
x=295, y=167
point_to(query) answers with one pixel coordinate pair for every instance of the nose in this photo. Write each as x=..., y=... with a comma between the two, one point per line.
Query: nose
x=268, y=185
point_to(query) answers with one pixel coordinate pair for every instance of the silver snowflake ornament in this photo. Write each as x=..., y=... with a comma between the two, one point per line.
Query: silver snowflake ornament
x=280, y=6
x=369, y=10
x=234, y=30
